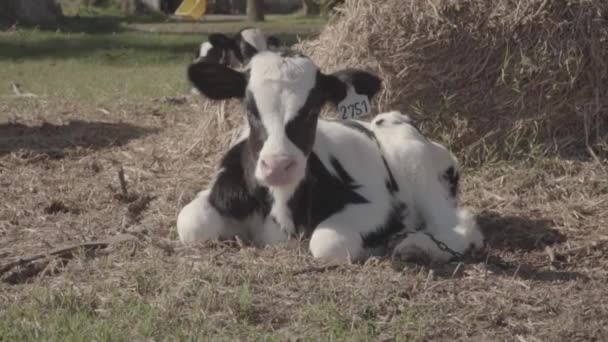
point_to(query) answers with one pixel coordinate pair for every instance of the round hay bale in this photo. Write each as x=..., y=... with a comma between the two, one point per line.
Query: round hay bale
x=491, y=78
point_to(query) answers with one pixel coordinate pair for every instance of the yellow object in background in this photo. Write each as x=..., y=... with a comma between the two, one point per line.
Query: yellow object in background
x=194, y=9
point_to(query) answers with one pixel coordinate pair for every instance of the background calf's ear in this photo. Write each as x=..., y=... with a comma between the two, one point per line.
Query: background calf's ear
x=365, y=83
x=217, y=81
x=336, y=84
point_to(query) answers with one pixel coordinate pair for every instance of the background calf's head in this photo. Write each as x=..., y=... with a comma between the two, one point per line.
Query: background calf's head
x=237, y=50
x=283, y=95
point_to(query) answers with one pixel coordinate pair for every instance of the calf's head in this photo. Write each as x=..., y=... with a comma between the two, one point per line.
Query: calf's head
x=283, y=95
x=236, y=50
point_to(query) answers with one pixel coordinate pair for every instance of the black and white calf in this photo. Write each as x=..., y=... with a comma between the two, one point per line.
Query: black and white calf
x=235, y=51
x=342, y=184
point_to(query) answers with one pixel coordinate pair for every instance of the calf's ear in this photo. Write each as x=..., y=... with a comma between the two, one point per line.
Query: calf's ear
x=216, y=81
x=336, y=84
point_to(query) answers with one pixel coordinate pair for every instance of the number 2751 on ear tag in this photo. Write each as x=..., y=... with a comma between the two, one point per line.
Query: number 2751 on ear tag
x=354, y=105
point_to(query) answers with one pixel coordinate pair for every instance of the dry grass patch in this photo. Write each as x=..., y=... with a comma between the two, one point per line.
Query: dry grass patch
x=543, y=275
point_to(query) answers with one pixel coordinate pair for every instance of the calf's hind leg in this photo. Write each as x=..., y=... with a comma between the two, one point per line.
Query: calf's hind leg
x=461, y=235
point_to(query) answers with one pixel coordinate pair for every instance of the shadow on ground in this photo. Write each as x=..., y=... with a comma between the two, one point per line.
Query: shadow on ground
x=524, y=241
x=516, y=233
x=53, y=140
x=522, y=236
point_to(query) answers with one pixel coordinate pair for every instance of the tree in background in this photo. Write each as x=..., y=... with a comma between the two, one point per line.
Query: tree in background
x=310, y=7
x=316, y=7
x=255, y=10
x=328, y=5
x=30, y=12
x=129, y=7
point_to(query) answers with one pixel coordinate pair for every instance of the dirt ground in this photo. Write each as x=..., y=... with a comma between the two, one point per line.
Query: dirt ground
x=543, y=276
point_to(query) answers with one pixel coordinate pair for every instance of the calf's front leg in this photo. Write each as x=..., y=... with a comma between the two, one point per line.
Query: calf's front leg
x=200, y=221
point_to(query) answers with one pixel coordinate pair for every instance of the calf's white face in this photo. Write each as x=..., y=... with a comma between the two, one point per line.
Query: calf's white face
x=283, y=95
x=282, y=106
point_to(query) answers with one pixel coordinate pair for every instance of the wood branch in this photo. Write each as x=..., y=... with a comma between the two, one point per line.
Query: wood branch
x=255, y=10
x=34, y=264
x=123, y=182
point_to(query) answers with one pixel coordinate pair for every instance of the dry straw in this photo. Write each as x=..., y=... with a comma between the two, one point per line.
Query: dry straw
x=492, y=78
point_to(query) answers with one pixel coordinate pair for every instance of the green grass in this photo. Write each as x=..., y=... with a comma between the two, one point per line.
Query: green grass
x=100, y=59
x=69, y=315
x=96, y=67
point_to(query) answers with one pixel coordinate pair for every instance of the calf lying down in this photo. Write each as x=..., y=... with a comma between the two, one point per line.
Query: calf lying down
x=355, y=189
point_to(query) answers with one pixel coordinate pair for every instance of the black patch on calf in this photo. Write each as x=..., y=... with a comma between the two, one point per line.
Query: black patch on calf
x=335, y=86
x=257, y=131
x=302, y=129
x=452, y=176
x=232, y=193
x=218, y=55
x=237, y=47
x=251, y=105
x=392, y=226
x=391, y=182
x=216, y=81
x=244, y=51
x=343, y=175
x=247, y=51
x=223, y=48
x=322, y=194
x=220, y=40
x=273, y=42
x=365, y=83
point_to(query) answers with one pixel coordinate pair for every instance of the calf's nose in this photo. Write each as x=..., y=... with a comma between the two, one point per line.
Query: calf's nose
x=276, y=168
